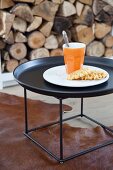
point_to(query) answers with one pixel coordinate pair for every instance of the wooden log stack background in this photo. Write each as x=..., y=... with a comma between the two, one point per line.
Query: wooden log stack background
x=31, y=29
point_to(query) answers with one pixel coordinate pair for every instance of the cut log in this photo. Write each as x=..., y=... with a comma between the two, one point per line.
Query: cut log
x=46, y=28
x=8, y=22
x=5, y=55
x=79, y=8
x=38, y=2
x=87, y=2
x=74, y=37
x=46, y=10
x=108, y=9
x=28, y=1
x=38, y=53
x=84, y=34
x=19, y=24
x=11, y=65
x=51, y=42
x=108, y=52
x=18, y=51
x=23, y=11
x=110, y=2
x=72, y=1
x=108, y=41
x=10, y=38
x=60, y=40
x=6, y=4
x=35, y=24
x=101, y=30
x=20, y=38
x=61, y=23
x=98, y=5
x=23, y=61
x=2, y=23
x=103, y=17
x=2, y=44
x=96, y=48
x=3, y=66
x=67, y=9
x=36, y=40
x=87, y=17
x=58, y=1
x=56, y=52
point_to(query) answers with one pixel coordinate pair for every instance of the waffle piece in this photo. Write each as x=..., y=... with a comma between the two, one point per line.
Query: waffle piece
x=87, y=74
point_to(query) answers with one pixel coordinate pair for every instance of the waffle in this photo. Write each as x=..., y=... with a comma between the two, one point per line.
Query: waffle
x=87, y=74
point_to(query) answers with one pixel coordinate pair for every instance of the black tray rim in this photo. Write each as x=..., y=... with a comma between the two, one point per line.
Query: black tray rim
x=96, y=60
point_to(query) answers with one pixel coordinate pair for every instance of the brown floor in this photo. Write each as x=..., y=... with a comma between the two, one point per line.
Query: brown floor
x=19, y=153
x=100, y=108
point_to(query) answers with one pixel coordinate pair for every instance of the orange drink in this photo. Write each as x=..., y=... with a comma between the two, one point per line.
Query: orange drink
x=73, y=56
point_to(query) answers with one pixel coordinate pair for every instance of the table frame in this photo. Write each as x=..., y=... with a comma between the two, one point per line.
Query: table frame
x=61, y=159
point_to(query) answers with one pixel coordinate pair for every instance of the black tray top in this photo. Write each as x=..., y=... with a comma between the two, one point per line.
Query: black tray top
x=30, y=76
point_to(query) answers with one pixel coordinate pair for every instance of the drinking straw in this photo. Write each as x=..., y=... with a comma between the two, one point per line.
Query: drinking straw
x=65, y=37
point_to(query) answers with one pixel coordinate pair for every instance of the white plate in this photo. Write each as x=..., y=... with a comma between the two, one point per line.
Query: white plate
x=57, y=75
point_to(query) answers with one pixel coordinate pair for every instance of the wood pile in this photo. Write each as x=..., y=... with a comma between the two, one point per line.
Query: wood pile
x=30, y=29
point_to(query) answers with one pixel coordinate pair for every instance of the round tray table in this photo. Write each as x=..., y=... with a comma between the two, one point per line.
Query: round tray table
x=30, y=76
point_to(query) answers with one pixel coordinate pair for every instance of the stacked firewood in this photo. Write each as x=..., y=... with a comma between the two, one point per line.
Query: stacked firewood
x=30, y=29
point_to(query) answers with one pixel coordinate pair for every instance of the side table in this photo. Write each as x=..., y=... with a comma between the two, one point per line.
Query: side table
x=30, y=76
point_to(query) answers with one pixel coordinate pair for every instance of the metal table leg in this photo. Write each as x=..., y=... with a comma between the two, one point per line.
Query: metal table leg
x=61, y=134
x=26, y=116
x=81, y=107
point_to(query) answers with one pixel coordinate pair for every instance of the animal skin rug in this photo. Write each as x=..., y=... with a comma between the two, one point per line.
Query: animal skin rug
x=18, y=153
